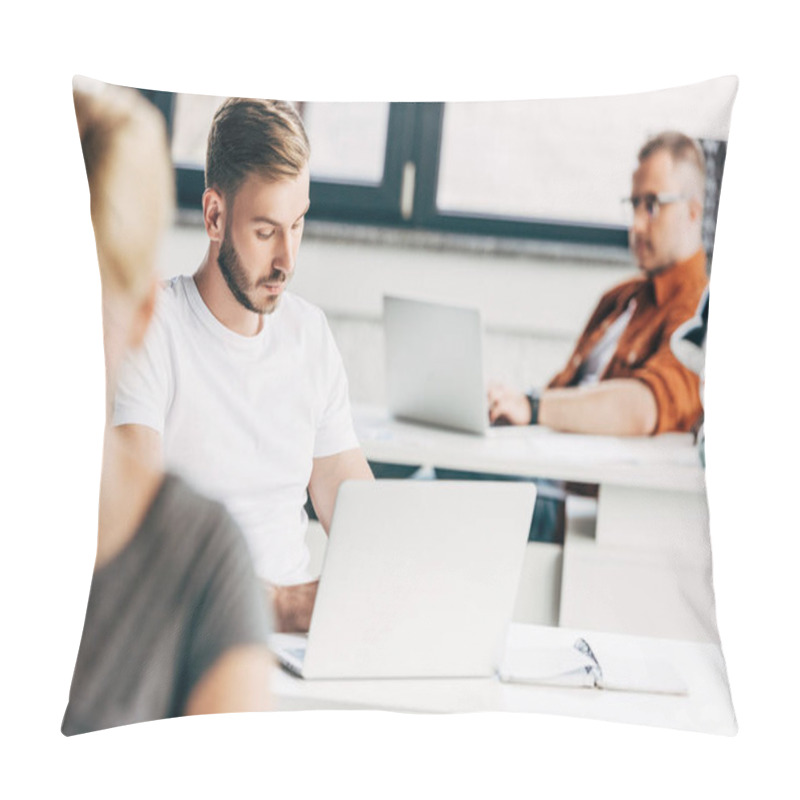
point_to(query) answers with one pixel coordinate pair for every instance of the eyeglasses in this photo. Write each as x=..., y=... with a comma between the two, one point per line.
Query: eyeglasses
x=651, y=202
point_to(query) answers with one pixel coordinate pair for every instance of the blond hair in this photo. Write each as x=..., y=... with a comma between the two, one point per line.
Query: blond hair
x=125, y=150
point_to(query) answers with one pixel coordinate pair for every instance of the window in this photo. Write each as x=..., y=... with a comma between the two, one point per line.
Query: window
x=349, y=138
x=552, y=169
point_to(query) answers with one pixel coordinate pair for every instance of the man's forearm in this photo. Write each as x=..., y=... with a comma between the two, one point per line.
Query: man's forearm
x=620, y=407
x=328, y=474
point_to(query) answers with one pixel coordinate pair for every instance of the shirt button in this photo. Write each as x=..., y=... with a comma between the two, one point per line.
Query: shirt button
x=631, y=356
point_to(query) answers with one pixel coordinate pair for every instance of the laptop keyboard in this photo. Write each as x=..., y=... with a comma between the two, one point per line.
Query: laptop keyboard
x=296, y=652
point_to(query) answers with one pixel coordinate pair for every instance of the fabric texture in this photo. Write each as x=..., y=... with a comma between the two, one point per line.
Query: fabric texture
x=162, y=611
x=663, y=303
x=242, y=418
x=599, y=357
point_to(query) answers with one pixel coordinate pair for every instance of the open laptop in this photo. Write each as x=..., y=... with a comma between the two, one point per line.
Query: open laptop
x=434, y=364
x=419, y=580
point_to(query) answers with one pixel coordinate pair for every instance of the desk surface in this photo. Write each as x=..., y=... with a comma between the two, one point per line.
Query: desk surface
x=706, y=707
x=668, y=461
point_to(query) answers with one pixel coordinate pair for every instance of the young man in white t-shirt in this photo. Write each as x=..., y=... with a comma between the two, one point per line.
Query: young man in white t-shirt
x=239, y=386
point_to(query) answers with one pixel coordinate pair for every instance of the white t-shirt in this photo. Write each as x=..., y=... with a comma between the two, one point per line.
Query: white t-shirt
x=242, y=417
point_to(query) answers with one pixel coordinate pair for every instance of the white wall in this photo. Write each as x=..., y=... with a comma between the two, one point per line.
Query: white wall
x=533, y=305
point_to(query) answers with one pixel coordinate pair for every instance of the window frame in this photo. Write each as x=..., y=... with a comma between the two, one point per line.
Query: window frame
x=429, y=217
x=414, y=136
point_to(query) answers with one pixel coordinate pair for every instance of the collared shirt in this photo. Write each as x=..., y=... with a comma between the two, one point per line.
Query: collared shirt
x=663, y=302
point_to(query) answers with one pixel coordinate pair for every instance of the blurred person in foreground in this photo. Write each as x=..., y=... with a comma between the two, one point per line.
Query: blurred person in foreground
x=239, y=385
x=623, y=378
x=175, y=623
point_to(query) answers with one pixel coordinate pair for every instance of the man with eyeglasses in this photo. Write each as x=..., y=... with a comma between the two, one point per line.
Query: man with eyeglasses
x=622, y=378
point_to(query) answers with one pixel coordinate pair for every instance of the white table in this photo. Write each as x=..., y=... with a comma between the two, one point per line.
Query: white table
x=644, y=567
x=666, y=462
x=706, y=705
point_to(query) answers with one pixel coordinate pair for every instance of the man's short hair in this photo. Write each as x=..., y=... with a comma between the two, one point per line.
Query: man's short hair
x=262, y=137
x=683, y=150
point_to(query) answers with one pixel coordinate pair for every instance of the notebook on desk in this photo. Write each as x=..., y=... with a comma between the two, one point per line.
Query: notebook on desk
x=434, y=364
x=419, y=580
x=579, y=667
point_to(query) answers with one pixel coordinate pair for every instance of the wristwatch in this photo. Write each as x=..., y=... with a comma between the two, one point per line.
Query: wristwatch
x=533, y=398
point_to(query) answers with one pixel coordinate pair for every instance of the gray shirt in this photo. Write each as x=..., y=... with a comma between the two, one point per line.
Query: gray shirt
x=162, y=611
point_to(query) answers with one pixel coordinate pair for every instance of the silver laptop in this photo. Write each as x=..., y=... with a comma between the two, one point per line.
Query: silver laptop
x=419, y=580
x=434, y=364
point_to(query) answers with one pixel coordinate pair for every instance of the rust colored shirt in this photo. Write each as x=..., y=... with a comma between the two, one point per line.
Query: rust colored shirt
x=643, y=351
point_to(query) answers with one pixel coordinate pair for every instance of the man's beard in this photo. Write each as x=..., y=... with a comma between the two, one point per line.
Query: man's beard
x=651, y=271
x=231, y=268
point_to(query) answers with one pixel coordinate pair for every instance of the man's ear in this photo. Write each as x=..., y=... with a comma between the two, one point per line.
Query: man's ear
x=695, y=210
x=214, y=214
x=142, y=315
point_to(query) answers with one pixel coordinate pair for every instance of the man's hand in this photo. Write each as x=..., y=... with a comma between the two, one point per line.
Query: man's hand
x=508, y=406
x=292, y=606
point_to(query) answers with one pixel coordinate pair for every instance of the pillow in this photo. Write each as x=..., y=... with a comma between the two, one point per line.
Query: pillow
x=582, y=232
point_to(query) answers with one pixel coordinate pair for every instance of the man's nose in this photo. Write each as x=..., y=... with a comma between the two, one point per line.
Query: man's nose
x=641, y=219
x=282, y=255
